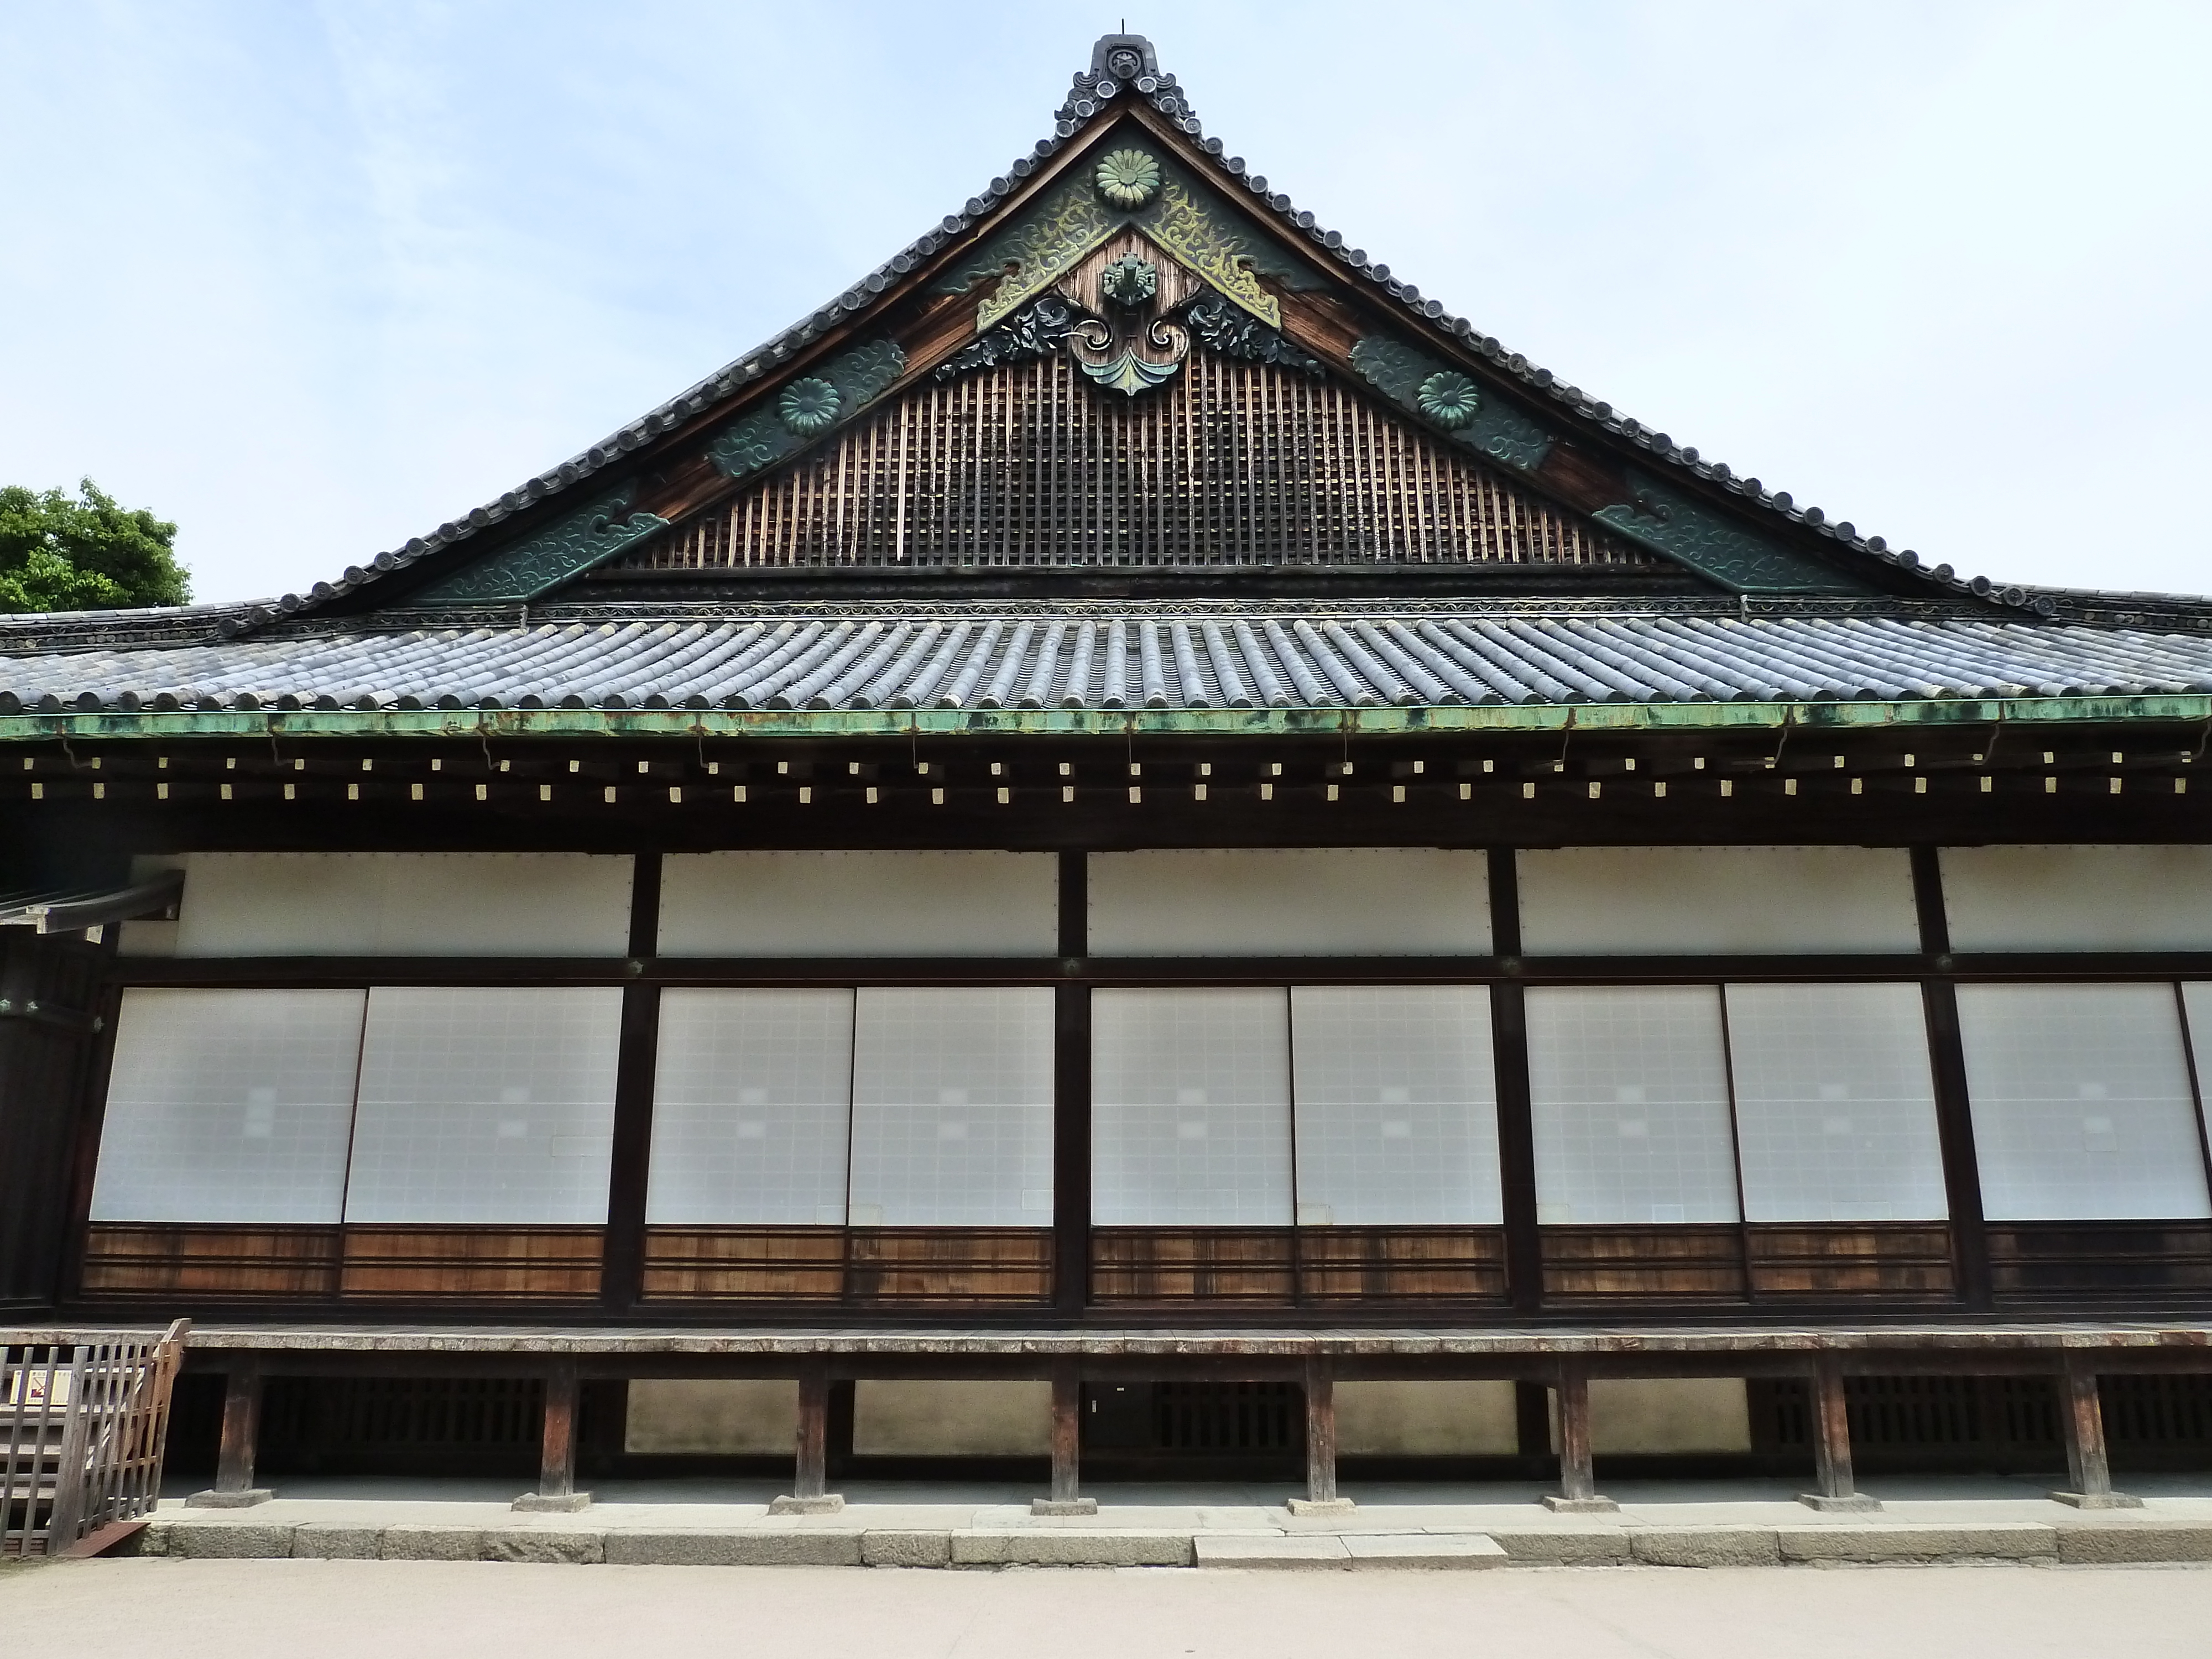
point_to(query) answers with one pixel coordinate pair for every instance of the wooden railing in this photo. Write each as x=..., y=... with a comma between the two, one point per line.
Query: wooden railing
x=81, y=1429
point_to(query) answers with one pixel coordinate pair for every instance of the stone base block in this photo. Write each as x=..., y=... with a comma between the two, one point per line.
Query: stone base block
x=828, y=1503
x=1271, y=1551
x=1559, y=1505
x=581, y=1549
x=1857, y=1503
x=1981, y=1540
x=227, y=1541
x=1425, y=1552
x=891, y=1548
x=1063, y=1506
x=2097, y=1500
x=1070, y=1547
x=2103, y=1544
x=1706, y=1546
x=546, y=1502
x=1322, y=1506
x=229, y=1500
x=335, y=1541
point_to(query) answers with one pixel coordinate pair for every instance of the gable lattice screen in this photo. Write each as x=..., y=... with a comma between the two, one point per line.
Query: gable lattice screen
x=1234, y=463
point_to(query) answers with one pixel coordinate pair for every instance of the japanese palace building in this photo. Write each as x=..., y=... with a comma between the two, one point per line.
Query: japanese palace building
x=1130, y=840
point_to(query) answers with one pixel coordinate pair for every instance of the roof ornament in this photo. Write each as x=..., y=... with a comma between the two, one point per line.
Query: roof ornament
x=1129, y=178
x=808, y=406
x=1449, y=399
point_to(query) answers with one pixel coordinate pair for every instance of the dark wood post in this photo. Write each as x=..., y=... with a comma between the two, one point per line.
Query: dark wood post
x=1577, y=1491
x=1071, y=1112
x=1830, y=1418
x=1321, y=1497
x=1067, y=1445
x=2088, y=1469
x=1955, y=1116
x=233, y=1486
x=557, y=1451
x=809, y=1482
x=621, y=1283
x=1516, y=1134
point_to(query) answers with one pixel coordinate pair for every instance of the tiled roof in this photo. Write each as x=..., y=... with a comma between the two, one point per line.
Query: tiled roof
x=1087, y=656
x=1095, y=96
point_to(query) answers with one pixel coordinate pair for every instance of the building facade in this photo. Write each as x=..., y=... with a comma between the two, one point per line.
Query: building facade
x=1130, y=838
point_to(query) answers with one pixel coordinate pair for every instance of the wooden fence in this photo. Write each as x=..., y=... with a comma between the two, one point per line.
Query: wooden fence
x=82, y=1428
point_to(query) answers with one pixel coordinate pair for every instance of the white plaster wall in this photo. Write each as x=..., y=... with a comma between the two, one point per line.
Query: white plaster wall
x=320, y=904
x=1601, y=901
x=952, y=1419
x=1424, y=1418
x=2079, y=898
x=1327, y=900
x=859, y=904
x=1665, y=1414
x=729, y=1418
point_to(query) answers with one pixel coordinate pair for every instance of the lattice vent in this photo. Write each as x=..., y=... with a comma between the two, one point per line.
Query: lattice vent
x=1233, y=464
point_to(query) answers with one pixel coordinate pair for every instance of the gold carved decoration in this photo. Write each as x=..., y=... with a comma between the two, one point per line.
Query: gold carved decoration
x=1185, y=229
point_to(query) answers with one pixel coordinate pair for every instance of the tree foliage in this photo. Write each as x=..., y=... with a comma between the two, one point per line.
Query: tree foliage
x=60, y=553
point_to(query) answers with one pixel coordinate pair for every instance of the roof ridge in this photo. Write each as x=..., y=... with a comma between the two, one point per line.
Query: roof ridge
x=1095, y=93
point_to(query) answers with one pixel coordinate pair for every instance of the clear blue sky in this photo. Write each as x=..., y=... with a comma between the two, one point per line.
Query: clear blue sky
x=311, y=278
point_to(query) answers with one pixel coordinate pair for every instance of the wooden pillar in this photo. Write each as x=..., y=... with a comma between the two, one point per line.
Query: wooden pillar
x=1954, y=1117
x=1577, y=1471
x=1516, y=1134
x=1066, y=1446
x=1070, y=1092
x=1321, y=1497
x=1831, y=1423
x=557, y=1446
x=233, y=1487
x=621, y=1280
x=809, y=1482
x=2081, y=1414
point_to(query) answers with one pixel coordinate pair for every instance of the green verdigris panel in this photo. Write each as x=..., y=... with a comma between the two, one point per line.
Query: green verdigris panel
x=522, y=570
x=1689, y=532
x=1498, y=429
x=1184, y=217
x=761, y=439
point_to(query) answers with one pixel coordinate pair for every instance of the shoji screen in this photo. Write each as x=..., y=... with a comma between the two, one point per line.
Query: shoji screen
x=229, y=1106
x=752, y=1109
x=1629, y=1088
x=486, y=1106
x=1190, y=1107
x=1835, y=1106
x=952, y=1108
x=1397, y=1105
x=2082, y=1105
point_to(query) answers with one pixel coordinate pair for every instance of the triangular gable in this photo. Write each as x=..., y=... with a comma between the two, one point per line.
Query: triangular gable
x=1284, y=282
x=1018, y=461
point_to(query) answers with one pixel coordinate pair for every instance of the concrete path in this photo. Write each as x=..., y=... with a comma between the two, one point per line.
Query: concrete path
x=470, y=1610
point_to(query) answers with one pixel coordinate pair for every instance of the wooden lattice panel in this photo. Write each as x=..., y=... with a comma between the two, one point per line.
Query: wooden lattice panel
x=1233, y=463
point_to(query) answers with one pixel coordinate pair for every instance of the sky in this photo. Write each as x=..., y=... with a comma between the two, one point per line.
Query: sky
x=311, y=278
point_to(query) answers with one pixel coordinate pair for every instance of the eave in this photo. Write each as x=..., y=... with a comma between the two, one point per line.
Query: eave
x=1385, y=721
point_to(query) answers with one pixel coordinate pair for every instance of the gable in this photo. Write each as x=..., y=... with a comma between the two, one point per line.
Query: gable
x=1232, y=462
x=1482, y=457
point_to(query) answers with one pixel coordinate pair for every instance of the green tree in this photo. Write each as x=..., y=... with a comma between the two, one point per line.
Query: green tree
x=57, y=554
